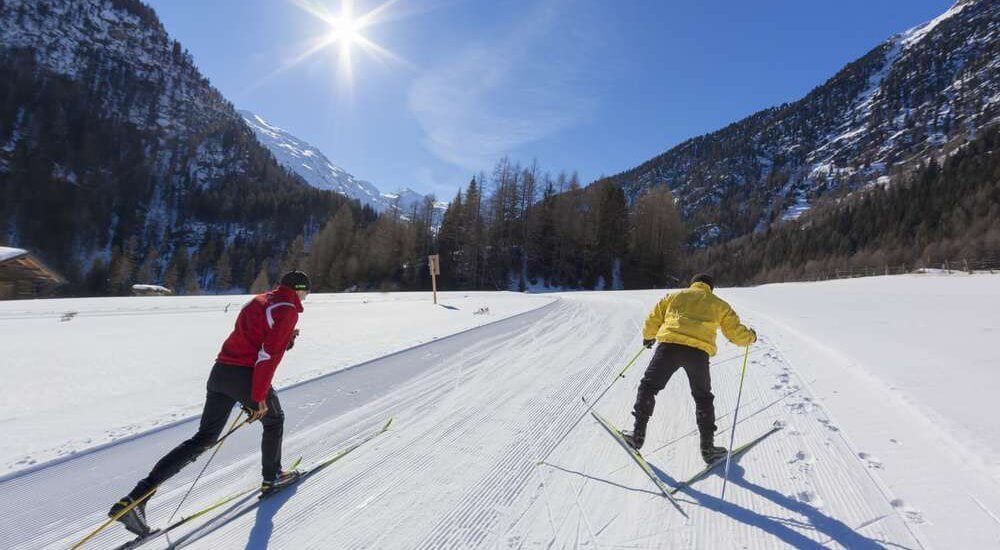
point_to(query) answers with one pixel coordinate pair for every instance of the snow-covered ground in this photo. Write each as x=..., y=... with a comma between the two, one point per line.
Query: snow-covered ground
x=882, y=385
x=907, y=368
x=83, y=372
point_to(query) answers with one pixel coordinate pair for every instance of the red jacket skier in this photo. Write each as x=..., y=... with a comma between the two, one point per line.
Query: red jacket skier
x=265, y=329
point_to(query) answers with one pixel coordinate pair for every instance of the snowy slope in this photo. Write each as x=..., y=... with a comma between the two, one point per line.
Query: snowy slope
x=477, y=412
x=170, y=343
x=916, y=96
x=164, y=146
x=317, y=170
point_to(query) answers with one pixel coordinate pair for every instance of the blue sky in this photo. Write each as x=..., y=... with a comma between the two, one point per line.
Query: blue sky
x=595, y=86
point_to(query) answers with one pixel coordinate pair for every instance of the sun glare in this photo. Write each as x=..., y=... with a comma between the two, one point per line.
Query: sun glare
x=345, y=30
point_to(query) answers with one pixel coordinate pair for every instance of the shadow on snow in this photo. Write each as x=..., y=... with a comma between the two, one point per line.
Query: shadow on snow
x=834, y=529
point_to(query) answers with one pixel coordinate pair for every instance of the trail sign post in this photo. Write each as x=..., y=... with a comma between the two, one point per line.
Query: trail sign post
x=434, y=264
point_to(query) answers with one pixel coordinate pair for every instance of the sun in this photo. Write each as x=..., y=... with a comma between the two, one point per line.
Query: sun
x=345, y=32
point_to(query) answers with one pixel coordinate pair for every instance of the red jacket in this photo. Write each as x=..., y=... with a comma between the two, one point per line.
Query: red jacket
x=261, y=336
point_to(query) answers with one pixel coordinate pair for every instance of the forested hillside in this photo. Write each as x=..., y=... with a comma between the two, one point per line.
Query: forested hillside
x=947, y=212
x=920, y=93
x=119, y=163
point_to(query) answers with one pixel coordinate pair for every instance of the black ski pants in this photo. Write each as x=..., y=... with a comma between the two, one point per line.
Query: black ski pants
x=666, y=360
x=227, y=385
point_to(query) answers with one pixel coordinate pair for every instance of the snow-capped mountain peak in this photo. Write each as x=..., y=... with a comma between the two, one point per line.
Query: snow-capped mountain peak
x=318, y=171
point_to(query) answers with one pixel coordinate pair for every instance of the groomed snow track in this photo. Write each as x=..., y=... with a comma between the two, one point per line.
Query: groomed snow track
x=475, y=413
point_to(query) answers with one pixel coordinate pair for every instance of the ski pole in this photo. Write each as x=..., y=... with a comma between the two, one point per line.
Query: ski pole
x=218, y=445
x=143, y=498
x=591, y=405
x=628, y=366
x=736, y=416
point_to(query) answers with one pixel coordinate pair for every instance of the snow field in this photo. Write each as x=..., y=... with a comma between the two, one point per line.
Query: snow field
x=800, y=487
x=906, y=365
x=493, y=446
x=83, y=372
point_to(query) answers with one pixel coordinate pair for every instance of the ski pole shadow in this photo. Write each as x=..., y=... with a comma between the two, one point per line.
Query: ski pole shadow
x=263, y=526
x=834, y=529
x=260, y=534
x=598, y=479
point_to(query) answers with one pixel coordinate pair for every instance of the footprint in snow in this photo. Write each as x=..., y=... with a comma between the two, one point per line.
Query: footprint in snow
x=872, y=462
x=799, y=407
x=910, y=513
x=804, y=461
x=829, y=425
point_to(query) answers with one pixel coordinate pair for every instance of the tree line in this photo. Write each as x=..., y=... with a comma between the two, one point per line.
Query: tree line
x=520, y=228
x=940, y=212
x=91, y=196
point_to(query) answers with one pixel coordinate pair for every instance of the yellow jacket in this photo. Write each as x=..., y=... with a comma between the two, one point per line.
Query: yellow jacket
x=691, y=317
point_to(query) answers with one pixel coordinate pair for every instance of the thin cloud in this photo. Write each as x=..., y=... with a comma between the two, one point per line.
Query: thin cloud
x=493, y=97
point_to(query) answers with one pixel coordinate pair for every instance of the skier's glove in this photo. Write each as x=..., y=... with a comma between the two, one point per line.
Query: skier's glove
x=648, y=342
x=754, y=332
x=291, y=341
x=256, y=414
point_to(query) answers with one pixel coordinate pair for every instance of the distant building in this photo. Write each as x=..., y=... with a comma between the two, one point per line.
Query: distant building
x=151, y=290
x=22, y=275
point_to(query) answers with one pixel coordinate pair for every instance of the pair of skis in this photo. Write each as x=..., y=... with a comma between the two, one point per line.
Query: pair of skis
x=648, y=470
x=246, y=494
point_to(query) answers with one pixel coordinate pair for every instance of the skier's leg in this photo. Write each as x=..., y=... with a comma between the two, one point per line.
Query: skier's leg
x=213, y=420
x=270, y=443
x=696, y=365
x=661, y=367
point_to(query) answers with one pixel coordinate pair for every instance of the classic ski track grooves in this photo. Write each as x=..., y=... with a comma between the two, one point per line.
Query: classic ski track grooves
x=474, y=415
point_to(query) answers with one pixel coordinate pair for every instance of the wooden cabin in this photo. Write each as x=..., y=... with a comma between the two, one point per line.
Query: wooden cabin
x=22, y=275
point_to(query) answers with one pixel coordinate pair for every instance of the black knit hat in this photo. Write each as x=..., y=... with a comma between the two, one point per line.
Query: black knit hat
x=295, y=280
x=704, y=278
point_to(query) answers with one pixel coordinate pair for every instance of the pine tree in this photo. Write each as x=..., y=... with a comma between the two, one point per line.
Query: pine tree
x=179, y=265
x=293, y=258
x=223, y=272
x=191, y=285
x=249, y=274
x=262, y=283
x=171, y=277
x=148, y=270
x=656, y=235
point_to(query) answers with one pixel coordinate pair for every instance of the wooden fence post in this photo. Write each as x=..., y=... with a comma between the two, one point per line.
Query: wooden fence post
x=434, y=263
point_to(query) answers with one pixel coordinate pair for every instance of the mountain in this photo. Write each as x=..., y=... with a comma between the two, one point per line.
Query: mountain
x=316, y=169
x=918, y=95
x=119, y=160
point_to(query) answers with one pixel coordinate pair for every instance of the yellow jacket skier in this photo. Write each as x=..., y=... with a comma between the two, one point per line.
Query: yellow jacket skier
x=684, y=324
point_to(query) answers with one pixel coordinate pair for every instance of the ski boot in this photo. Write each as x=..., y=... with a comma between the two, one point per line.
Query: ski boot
x=135, y=519
x=709, y=451
x=284, y=479
x=636, y=437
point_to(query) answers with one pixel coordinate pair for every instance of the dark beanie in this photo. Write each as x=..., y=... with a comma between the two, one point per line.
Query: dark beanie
x=704, y=278
x=295, y=280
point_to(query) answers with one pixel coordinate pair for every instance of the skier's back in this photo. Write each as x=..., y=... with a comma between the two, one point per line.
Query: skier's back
x=684, y=324
x=265, y=329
